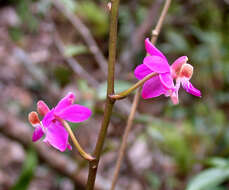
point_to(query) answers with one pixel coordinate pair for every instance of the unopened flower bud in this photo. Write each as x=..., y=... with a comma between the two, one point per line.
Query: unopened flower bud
x=33, y=118
x=186, y=71
x=42, y=108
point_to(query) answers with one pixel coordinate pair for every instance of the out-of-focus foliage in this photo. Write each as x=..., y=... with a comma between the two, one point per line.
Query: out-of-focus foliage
x=92, y=13
x=183, y=141
x=27, y=172
x=208, y=179
x=95, y=15
x=211, y=178
x=73, y=50
x=25, y=14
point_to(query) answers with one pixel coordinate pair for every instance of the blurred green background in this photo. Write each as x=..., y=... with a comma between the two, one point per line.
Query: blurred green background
x=170, y=147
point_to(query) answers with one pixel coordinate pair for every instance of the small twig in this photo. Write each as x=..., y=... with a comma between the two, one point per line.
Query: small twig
x=155, y=34
x=148, y=22
x=125, y=93
x=73, y=63
x=157, y=29
x=85, y=33
x=110, y=90
x=34, y=71
x=138, y=35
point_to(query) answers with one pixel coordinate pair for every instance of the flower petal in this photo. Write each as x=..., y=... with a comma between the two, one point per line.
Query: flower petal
x=190, y=88
x=75, y=113
x=57, y=136
x=156, y=64
x=153, y=51
x=42, y=108
x=153, y=88
x=65, y=102
x=37, y=134
x=141, y=71
x=167, y=80
x=33, y=118
x=48, y=118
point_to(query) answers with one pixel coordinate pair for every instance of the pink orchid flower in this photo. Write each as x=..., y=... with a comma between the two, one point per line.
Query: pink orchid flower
x=163, y=83
x=55, y=133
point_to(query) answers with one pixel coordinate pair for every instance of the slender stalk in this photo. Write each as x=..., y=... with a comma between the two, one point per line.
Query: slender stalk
x=124, y=139
x=75, y=142
x=121, y=154
x=160, y=21
x=110, y=90
x=125, y=93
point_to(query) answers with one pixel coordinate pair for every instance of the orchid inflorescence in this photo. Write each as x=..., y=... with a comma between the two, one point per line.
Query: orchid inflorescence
x=160, y=82
x=156, y=77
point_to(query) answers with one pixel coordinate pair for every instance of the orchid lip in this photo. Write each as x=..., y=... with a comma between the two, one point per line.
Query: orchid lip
x=177, y=65
x=186, y=71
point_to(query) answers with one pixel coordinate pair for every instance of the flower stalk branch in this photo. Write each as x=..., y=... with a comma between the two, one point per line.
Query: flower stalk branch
x=110, y=90
x=160, y=21
x=125, y=93
x=85, y=155
x=121, y=154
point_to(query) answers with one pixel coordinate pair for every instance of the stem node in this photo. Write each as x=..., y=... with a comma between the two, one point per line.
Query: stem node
x=125, y=93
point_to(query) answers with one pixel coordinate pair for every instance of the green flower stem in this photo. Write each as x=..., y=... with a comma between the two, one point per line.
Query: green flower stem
x=110, y=90
x=134, y=87
x=75, y=142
